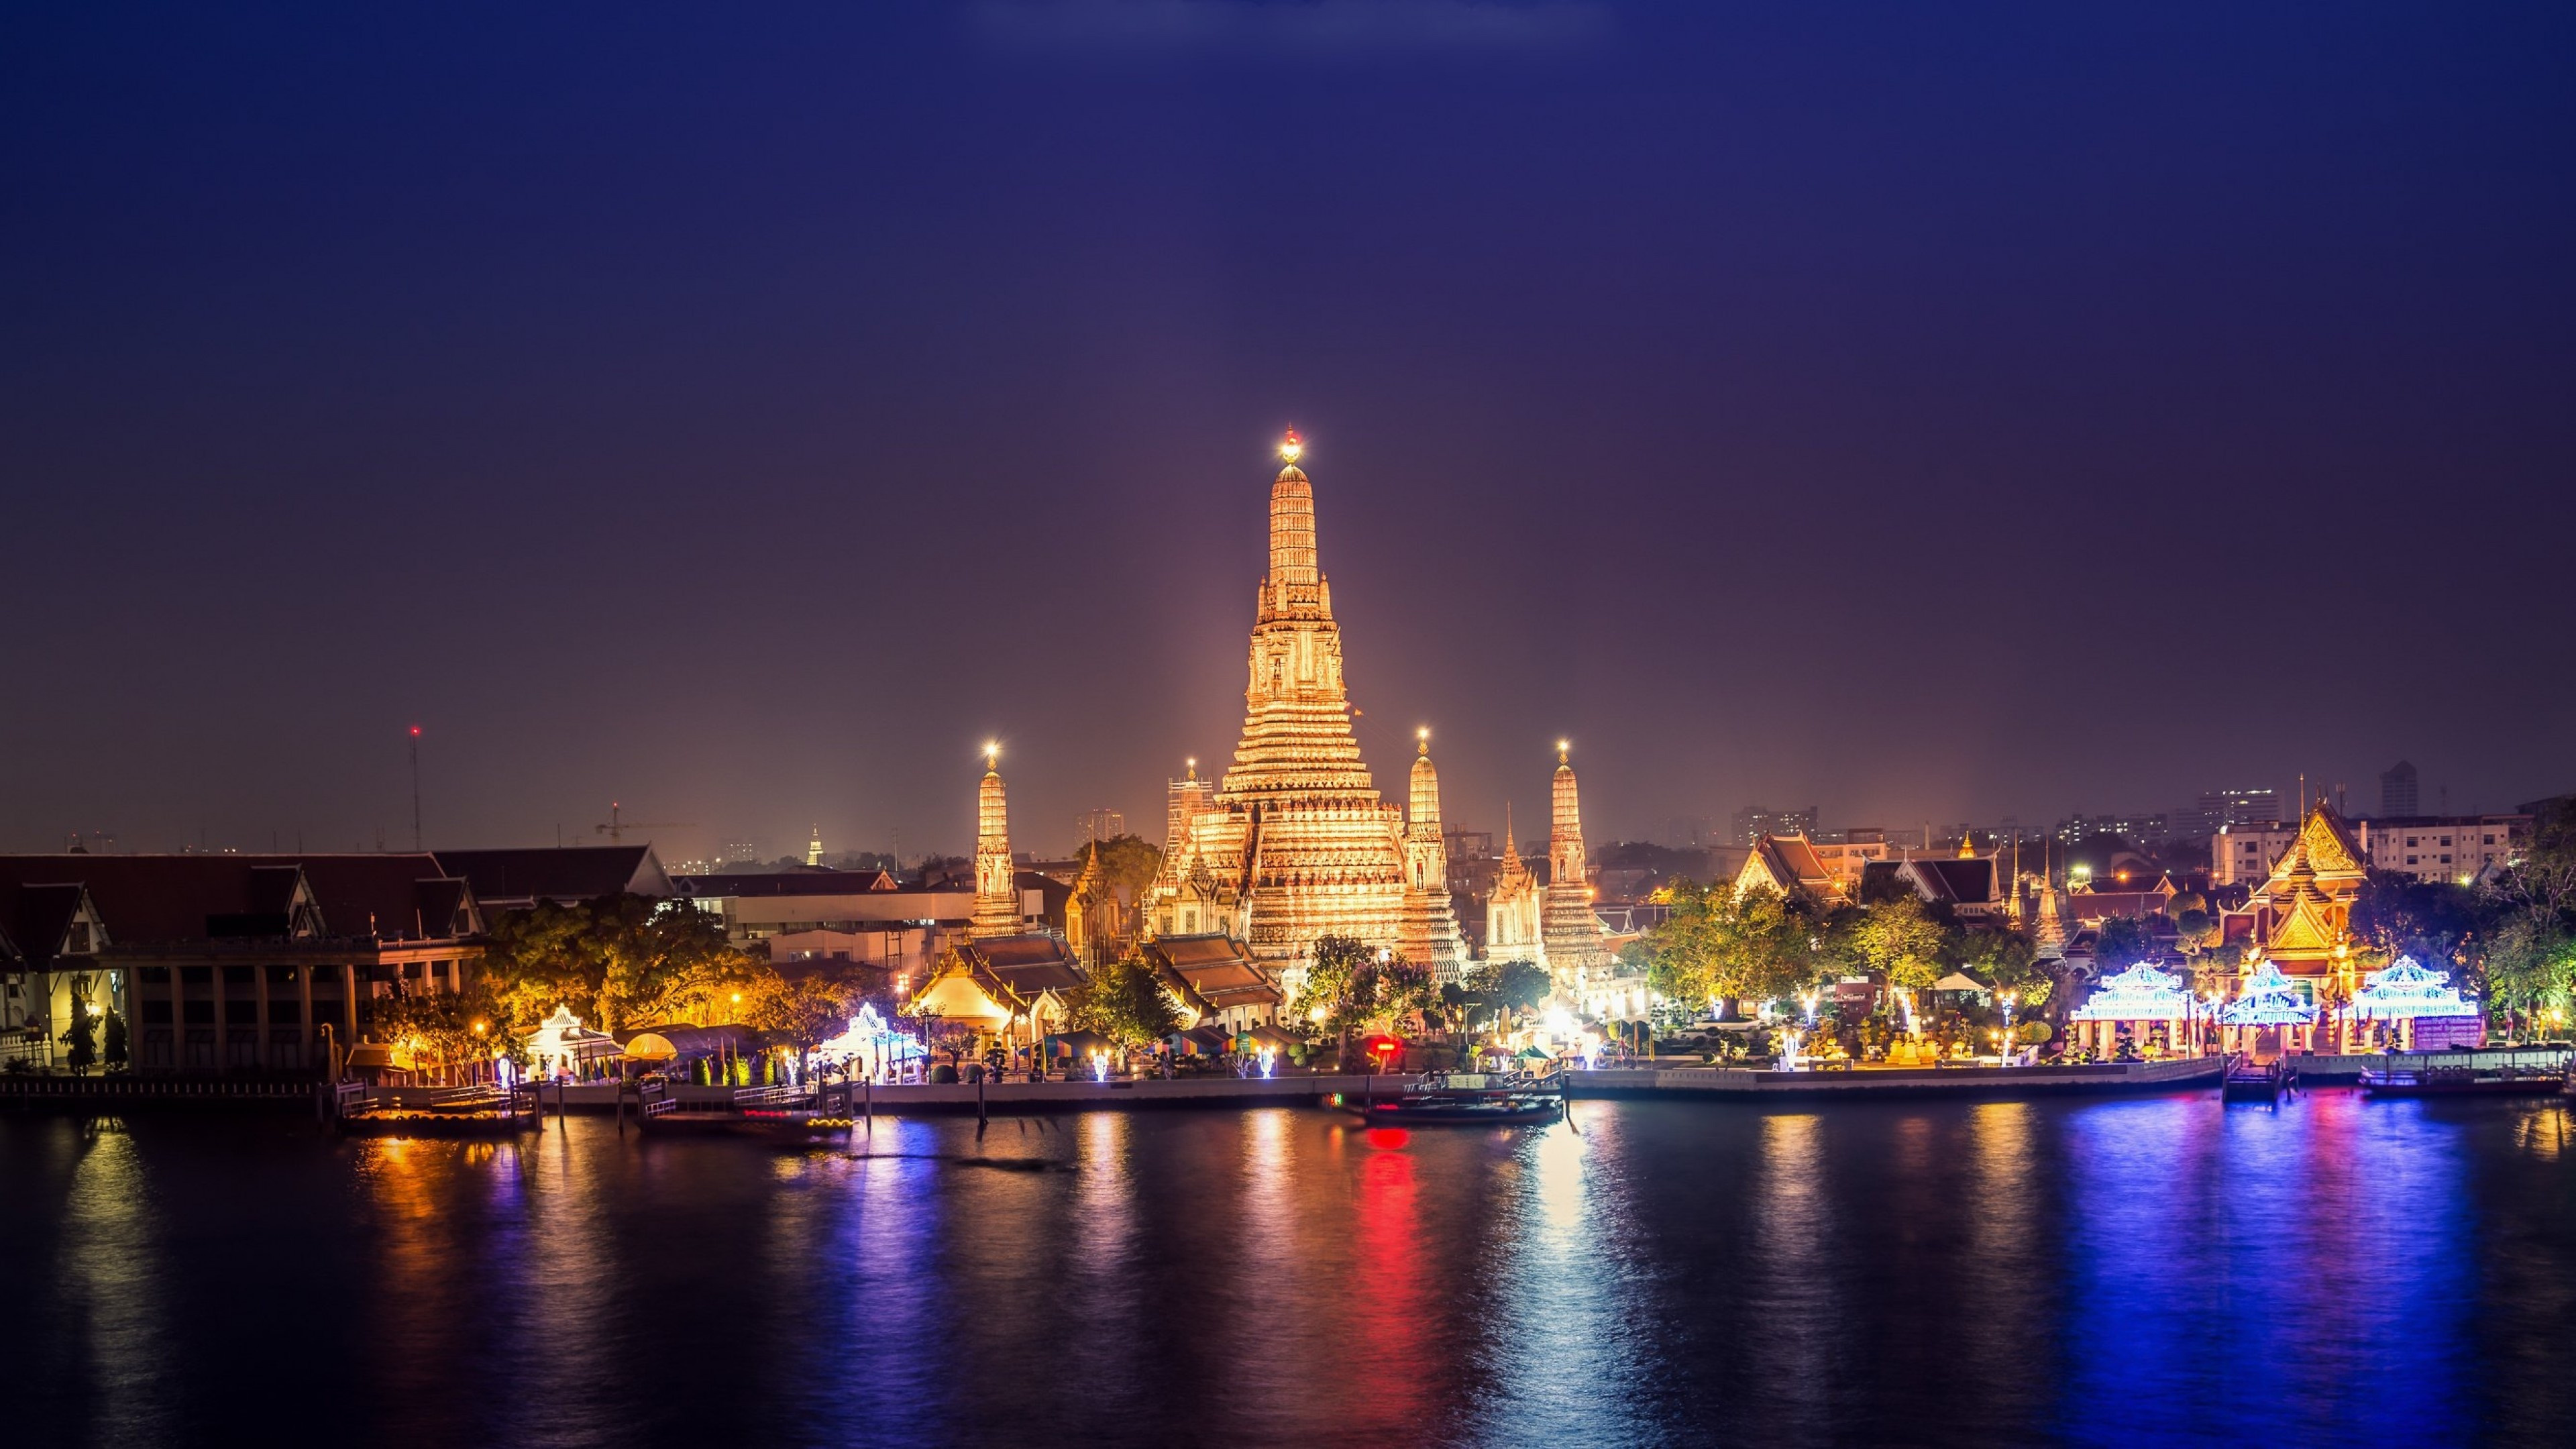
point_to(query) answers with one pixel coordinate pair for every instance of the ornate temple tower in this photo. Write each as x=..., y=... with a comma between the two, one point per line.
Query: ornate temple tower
x=1094, y=918
x=1513, y=908
x=1431, y=935
x=997, y=893
x=1297, y=833
x=2050, y=935
x=1575, y=951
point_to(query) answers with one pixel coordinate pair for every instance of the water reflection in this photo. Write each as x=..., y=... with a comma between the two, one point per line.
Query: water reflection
x=2338, y=1270
x=1792, y=1290
x=111, y=1268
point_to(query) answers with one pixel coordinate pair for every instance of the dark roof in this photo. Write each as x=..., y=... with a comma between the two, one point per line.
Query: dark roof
x=1026, y=964
x=143, y=899
x=1216, y=969
x=568, y=874
x=796, y=883
x=1972, y=881
x=32, y=922
x=392, y=897
x=2103, y=905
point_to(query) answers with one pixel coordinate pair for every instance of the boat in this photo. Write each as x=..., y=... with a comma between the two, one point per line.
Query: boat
x=2395, y=1081
x=2252, y=1081
x=1445, y=1099
x=478, y=1111
x=790, y=1116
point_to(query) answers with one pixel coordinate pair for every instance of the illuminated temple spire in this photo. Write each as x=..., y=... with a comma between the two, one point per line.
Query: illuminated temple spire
x=1512, y=907
x=1296, y=834
x=1575, y=950
x=997, y=894
x=1431, y=935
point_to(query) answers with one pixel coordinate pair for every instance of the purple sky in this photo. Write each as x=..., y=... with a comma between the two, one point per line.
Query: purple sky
x=1925, y=412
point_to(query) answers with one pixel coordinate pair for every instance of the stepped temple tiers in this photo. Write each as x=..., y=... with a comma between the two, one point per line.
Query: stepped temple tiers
x=997, y=891
x=1295, y=843
x=1431, y=935
x=1578, y=958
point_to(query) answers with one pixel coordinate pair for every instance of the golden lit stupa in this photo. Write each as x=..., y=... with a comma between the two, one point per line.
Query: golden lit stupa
x=1295, y=841
x=997, y=892
x=1431, y=936
x=1576, y=952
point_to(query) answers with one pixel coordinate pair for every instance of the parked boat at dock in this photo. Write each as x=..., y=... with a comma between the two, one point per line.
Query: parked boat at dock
x=791, y=1116
x=479, y=1111
x=1461, y=1099
x=2428, y=1081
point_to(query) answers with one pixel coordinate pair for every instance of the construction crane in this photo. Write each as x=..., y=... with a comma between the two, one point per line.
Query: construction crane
x=617, y=826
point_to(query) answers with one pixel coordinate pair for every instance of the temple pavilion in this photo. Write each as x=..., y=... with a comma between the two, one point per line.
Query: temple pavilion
x=2299, y=921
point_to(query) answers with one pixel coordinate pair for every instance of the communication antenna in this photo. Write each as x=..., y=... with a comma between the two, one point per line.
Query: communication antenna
x=415, y=787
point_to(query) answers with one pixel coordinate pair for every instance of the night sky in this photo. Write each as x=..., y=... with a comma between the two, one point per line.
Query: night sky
x=1921, y=411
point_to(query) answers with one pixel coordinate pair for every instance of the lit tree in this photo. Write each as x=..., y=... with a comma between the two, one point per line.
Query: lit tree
x=1899, y=939
x=1125, y=1001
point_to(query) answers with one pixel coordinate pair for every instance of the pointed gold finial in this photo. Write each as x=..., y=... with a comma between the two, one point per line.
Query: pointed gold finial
x=992, y=754
x=1564, y=752
x=1291, y=447
x=1422, y=737
x=1193, y=763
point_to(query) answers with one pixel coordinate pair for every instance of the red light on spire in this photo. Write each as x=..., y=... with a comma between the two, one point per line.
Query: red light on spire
x=415, y=732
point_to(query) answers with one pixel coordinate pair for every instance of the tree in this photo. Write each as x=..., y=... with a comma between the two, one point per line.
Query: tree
x=2009, y=961
x=808, y=1010
x=447, y=1029
x=1350, y=984
x=2529, y=960
x=1507, y=985
x=1899, y=939
x=1126, y=862
x=2124, y=942
x=117, y=1055
x=82, y=1035
x=1406, y=996
x=1340, y=987
x=1124, y=1001
x=2403, y=916
x=615, y=960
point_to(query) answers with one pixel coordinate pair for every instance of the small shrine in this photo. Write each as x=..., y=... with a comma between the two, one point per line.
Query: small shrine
x=2141, y=996
x=2396, y=998
x=2268, y=1002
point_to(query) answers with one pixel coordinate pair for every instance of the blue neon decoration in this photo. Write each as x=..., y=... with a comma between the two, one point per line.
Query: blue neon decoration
x=2141, y=993
x=2268, y=999
x=2406, y=990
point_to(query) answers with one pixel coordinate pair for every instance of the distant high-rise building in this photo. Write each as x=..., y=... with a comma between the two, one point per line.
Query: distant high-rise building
x=1102, y=824
x=1755, y=821
x=2398, y=792
x=2218, y=810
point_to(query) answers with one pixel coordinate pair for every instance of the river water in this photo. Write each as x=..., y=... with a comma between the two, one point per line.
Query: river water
x=2168, y=1270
